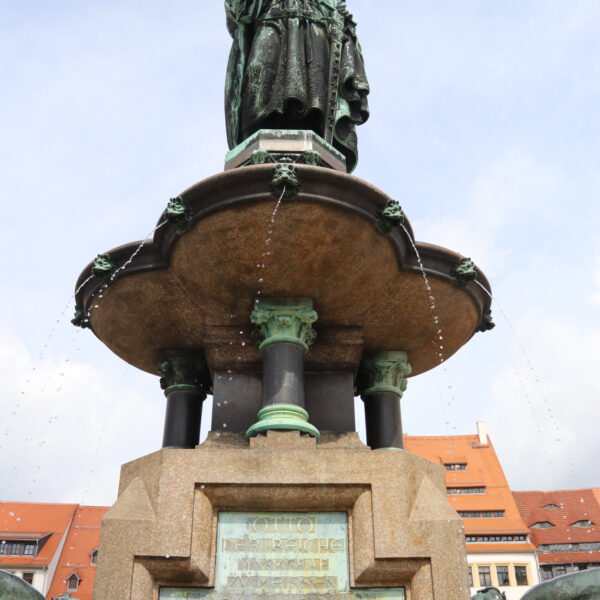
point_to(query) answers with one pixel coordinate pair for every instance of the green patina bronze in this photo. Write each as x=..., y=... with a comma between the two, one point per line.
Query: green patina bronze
x=284, y=417
x=464, y=272
x=261, y=157
x=285, y=178
x=390, y=216
x=384, y=372
x=14, y=588
x=79, y=319
x=312, y=157
x=102, y=266
x=290, y=321
x=179, y=214
x=183, y=369
x=489, y=593
x=584, y=585
x=295, y=64
x=487, y=323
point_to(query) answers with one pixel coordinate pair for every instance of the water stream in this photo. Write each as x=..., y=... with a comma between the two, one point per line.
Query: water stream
x=540, y=389
x=438, y=342
x=100, y=293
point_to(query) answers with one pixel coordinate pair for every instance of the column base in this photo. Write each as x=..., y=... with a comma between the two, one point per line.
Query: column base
x=283, y=417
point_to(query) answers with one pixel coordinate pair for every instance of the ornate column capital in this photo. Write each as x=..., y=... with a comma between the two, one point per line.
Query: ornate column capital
x=384, y=372
x=284, y=320
x=183, y=370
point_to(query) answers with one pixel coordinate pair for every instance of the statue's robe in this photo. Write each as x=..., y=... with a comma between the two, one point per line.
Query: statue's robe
x=278, y=71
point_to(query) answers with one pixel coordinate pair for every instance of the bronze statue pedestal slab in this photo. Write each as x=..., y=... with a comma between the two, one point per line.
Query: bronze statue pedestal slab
x=274, y=144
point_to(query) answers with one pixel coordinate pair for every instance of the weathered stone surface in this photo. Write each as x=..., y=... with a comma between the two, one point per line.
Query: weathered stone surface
x=402, y=530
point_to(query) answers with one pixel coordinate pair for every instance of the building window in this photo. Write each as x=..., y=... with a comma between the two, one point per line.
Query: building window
x=455, y=466
x=584, y=523
x=574, y=547
x=485, y=577
x=546, y=572
x=521, y=575
x=94, y=557
x=542, y=525
x=465, y=490
x=470, y=576
x=472, y=539
x=502, y=573
x=550, y=506
x=72, y=582
x=20, y=548
x=28, y=577
x=559, y=570
x=477, y=514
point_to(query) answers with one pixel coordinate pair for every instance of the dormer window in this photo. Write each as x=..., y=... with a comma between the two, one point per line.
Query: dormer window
x=73, y=582
x=542, y=525
x=94, y=556
x=583, y=523
x=455, y=466
x=550, y=506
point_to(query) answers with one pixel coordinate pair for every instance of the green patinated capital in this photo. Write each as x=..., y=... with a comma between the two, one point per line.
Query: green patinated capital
x=384, y=372
x=284, y=320
x=183, y=370
x=283, y=417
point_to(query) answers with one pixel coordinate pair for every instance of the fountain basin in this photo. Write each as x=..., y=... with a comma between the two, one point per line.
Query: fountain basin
x=329, y=242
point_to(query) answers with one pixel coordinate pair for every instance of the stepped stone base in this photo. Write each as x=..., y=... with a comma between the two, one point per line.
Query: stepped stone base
x=162, y=530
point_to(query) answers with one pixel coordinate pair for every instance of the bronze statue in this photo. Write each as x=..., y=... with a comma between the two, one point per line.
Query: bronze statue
x=295, y=64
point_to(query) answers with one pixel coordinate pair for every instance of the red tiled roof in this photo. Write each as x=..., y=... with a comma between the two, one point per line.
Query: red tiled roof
x=573, y=506
x=29, y=520
x=82, y=540
x=483, y=470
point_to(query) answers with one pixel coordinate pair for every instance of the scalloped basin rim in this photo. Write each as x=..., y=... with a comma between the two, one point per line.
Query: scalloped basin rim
x=326, y=243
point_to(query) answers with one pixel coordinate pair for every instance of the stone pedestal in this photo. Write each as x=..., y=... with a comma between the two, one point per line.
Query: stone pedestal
x=401, y=531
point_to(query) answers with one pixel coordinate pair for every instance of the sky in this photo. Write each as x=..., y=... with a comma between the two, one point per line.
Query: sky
x=485, y=126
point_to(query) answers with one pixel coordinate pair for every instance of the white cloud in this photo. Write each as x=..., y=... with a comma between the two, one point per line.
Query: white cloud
x=545, y=406
x=595, y=296
x=511, y=189
x=67, y=426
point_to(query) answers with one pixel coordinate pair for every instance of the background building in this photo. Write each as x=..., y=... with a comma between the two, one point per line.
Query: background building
x=565, y=528
x=55, y=546
x=77, y=565
x=499, y=551
x=51, y=546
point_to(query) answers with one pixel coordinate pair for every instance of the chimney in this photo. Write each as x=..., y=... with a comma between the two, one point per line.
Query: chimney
x=482, y=433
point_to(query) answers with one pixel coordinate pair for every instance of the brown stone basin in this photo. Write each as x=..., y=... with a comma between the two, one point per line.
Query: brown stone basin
x=325, y=244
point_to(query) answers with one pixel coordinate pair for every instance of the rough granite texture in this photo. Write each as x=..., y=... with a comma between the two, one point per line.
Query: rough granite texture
x=162, y=529
x=323, y=244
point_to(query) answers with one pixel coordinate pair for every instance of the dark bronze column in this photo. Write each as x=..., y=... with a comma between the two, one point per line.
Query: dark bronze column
x=381, y=384
x=186, y=380
x=283, y=329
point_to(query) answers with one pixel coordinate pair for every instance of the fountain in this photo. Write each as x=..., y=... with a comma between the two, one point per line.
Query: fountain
x=283, y=286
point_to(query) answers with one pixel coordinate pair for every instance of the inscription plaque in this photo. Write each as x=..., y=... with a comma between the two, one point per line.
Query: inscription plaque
x=272, y=556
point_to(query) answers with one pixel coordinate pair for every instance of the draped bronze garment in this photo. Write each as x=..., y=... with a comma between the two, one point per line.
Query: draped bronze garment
x=278, y=72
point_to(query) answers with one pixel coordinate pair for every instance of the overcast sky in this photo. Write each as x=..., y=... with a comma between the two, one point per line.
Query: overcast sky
x=485, y=126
